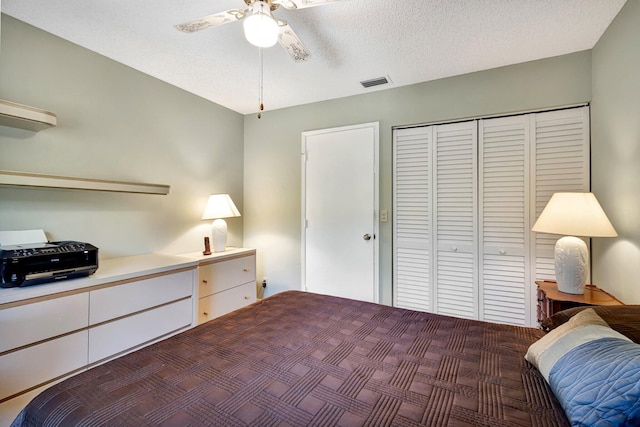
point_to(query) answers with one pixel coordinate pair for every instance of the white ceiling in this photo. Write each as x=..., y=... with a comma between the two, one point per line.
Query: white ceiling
x=409, y=41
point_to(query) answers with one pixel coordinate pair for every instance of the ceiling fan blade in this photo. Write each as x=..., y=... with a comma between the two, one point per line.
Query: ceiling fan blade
x=287, y=4
x=301, y=4
x=291, y=43
x=214, y=20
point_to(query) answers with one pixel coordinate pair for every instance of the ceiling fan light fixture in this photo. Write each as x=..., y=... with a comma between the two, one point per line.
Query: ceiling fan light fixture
x=260, y=29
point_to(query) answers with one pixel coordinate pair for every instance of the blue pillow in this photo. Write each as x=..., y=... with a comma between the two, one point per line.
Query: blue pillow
x=598, y=383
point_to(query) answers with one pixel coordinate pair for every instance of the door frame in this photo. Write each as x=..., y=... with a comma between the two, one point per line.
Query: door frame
x=376, y=200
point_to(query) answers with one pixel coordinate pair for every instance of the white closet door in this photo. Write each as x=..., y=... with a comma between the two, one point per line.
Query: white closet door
x=465, y=198
x=412, y=220
x=504, y=220
x=561, y=158
x=455, y=222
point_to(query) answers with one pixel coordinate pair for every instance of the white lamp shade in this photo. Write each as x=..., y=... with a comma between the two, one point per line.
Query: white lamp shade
x=220, y=206
x=574, y=214
x=260, y=28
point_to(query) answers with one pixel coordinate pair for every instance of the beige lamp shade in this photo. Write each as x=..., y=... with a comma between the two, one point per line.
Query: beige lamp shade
x=220, y=206
x=574, y=214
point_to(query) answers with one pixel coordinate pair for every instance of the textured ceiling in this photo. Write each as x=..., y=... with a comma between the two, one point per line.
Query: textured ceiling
x=409, y=41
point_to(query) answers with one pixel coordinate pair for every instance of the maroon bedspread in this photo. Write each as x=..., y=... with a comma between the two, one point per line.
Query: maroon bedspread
x=298, y=359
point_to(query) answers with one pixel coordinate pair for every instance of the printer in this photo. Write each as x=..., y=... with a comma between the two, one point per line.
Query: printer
x=34, y=263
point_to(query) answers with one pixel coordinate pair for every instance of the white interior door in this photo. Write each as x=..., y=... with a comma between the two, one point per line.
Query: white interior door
x=340, y=211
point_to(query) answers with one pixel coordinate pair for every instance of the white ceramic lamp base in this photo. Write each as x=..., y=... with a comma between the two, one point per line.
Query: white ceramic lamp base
x=219, y=235
x=571, y=262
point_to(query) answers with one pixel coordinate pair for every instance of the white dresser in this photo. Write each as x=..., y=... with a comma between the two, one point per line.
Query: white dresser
x=53, y=330
x=226, y=282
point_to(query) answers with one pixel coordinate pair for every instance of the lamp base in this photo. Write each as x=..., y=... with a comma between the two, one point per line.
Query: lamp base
x=219, y=235
x=571, y=262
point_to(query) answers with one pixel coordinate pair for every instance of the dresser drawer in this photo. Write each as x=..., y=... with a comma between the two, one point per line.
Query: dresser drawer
x=121, y=300
x=40, y=363
x=223, y=275
x=216, y=305
x=26, y=324
x=122, y=334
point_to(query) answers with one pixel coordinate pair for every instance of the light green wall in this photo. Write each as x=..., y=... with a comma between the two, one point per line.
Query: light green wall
x=272, y=146
x=615, y=141
x=114, y=123
x=117, y=123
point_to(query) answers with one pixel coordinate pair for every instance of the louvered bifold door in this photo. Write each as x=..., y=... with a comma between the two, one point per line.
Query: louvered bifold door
x=503, y=216
x=412, y=229
x=561, y=158
x=455, y=184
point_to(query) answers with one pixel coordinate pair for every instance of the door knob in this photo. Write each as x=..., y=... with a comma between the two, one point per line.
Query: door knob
x=367, y=236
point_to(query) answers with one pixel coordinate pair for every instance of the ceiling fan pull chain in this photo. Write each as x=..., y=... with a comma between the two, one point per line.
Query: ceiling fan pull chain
x=260, y=90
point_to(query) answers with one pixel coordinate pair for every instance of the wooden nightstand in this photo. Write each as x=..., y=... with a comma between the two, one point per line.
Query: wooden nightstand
x=551, y=300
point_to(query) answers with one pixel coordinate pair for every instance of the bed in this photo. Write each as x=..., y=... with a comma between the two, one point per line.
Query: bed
x=304, y=359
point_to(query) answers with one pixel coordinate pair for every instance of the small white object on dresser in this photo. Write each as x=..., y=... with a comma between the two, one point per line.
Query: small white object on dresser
x=226, y=282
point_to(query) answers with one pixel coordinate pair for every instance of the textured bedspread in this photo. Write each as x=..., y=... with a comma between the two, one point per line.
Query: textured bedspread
x=298, y=359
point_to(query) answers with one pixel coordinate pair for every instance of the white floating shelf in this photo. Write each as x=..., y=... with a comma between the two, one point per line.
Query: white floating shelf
x=22, y=179
x=25, y=117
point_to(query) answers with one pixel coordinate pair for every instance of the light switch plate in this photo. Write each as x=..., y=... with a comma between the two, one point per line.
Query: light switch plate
x=383, y=215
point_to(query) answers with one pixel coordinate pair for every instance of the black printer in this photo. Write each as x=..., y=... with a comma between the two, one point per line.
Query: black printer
x=31, y=264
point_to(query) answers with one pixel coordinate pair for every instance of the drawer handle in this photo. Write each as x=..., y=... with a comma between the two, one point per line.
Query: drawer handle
x=246, y=297
x=204, y=281
x=205, y=313
x=246, y=270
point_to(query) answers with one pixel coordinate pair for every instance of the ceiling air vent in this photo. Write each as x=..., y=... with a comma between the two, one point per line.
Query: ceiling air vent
x=375, y=82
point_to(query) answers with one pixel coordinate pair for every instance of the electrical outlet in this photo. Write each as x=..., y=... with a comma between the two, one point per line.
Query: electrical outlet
x=383, y=216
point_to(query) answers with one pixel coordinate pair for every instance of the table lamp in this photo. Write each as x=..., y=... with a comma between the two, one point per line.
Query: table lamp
x=219, y=206
x=573, y=214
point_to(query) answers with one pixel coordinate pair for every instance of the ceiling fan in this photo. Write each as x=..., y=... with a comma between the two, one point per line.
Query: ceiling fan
x=261, y=28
